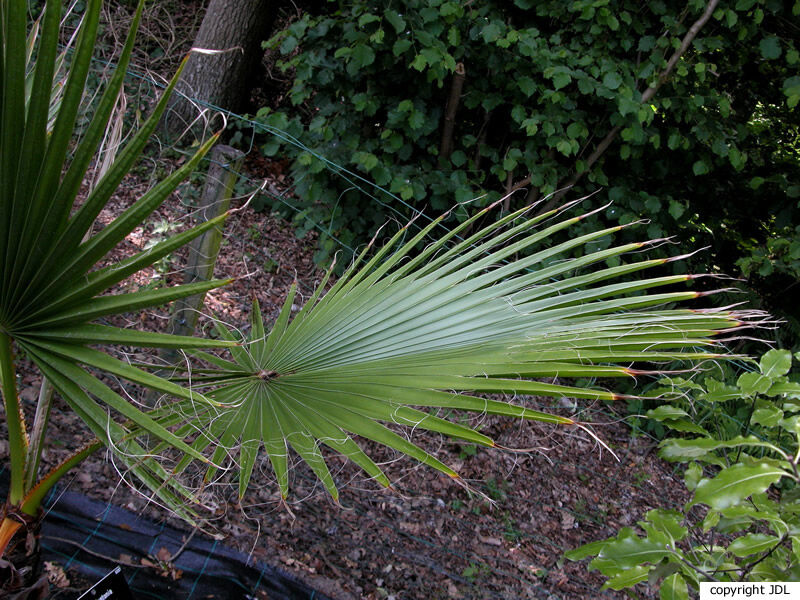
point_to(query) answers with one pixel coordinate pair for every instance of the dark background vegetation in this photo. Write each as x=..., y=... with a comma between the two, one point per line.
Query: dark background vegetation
x=412, y=105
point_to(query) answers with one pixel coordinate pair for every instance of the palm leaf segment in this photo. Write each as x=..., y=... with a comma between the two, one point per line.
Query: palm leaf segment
x=405, y=336
x=51, y=286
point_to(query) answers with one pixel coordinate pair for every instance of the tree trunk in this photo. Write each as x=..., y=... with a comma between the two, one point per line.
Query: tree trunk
x=457, y=84
x=234, y=28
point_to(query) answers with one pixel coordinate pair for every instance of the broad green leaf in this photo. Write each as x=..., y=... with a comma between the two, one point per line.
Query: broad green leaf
x=768, y=417
x=700, y=167
x=752, y=543
x=366, y=19
x=628, y=578
x=667, y=521
x=676, y=209
x=721, y=392
x=789, y=389
x=674, y=588
x=683, y=449
x=770, y=47
x=666, y=412
x=401, y=46
x=585, y=551
x=362, y=56
x=734, y=484
x=630, y=552
x=612, y=80
x=752, y=384
x=527, y=85
x=791, y=424
x=561, y=80
x=775, y=363
x=773, y=570
x=395, y=20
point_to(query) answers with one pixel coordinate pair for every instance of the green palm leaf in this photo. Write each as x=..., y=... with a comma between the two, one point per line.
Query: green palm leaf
x=404, y=336
x=52, y=283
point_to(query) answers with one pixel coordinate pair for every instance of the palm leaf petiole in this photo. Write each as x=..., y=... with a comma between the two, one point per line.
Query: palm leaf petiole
x=17, y=437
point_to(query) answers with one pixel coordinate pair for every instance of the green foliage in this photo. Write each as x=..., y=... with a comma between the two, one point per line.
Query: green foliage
x=544, y=83
x=397, y=340
x=743, y=521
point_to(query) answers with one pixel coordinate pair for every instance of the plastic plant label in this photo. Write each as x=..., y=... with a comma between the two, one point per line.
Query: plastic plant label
x=111, y=587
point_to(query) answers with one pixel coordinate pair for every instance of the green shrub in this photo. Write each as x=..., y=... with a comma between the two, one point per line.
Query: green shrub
x=743, y=521
x=543, y=83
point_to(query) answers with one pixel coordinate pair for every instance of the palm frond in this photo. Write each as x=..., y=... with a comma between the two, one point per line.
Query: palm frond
x=405, y=336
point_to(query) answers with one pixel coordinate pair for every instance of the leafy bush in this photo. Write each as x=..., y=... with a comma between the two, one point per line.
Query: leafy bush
x=743, y=521
x=538, y=86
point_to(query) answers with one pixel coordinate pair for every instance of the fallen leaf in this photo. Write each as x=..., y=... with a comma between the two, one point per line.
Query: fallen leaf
x=56, y=575
x=164, y=555
x=491, y=541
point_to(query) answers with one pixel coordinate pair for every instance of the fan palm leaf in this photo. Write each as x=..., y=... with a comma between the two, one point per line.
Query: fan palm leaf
x=405, y=337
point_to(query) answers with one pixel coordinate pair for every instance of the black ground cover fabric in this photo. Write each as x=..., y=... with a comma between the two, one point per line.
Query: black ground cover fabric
x=93, y=537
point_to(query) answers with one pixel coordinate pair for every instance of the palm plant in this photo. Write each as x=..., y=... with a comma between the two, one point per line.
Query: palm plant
x=404, y=333
x=52, y=287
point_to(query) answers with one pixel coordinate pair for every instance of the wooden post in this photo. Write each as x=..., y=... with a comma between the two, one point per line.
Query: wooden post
x=203, y=251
